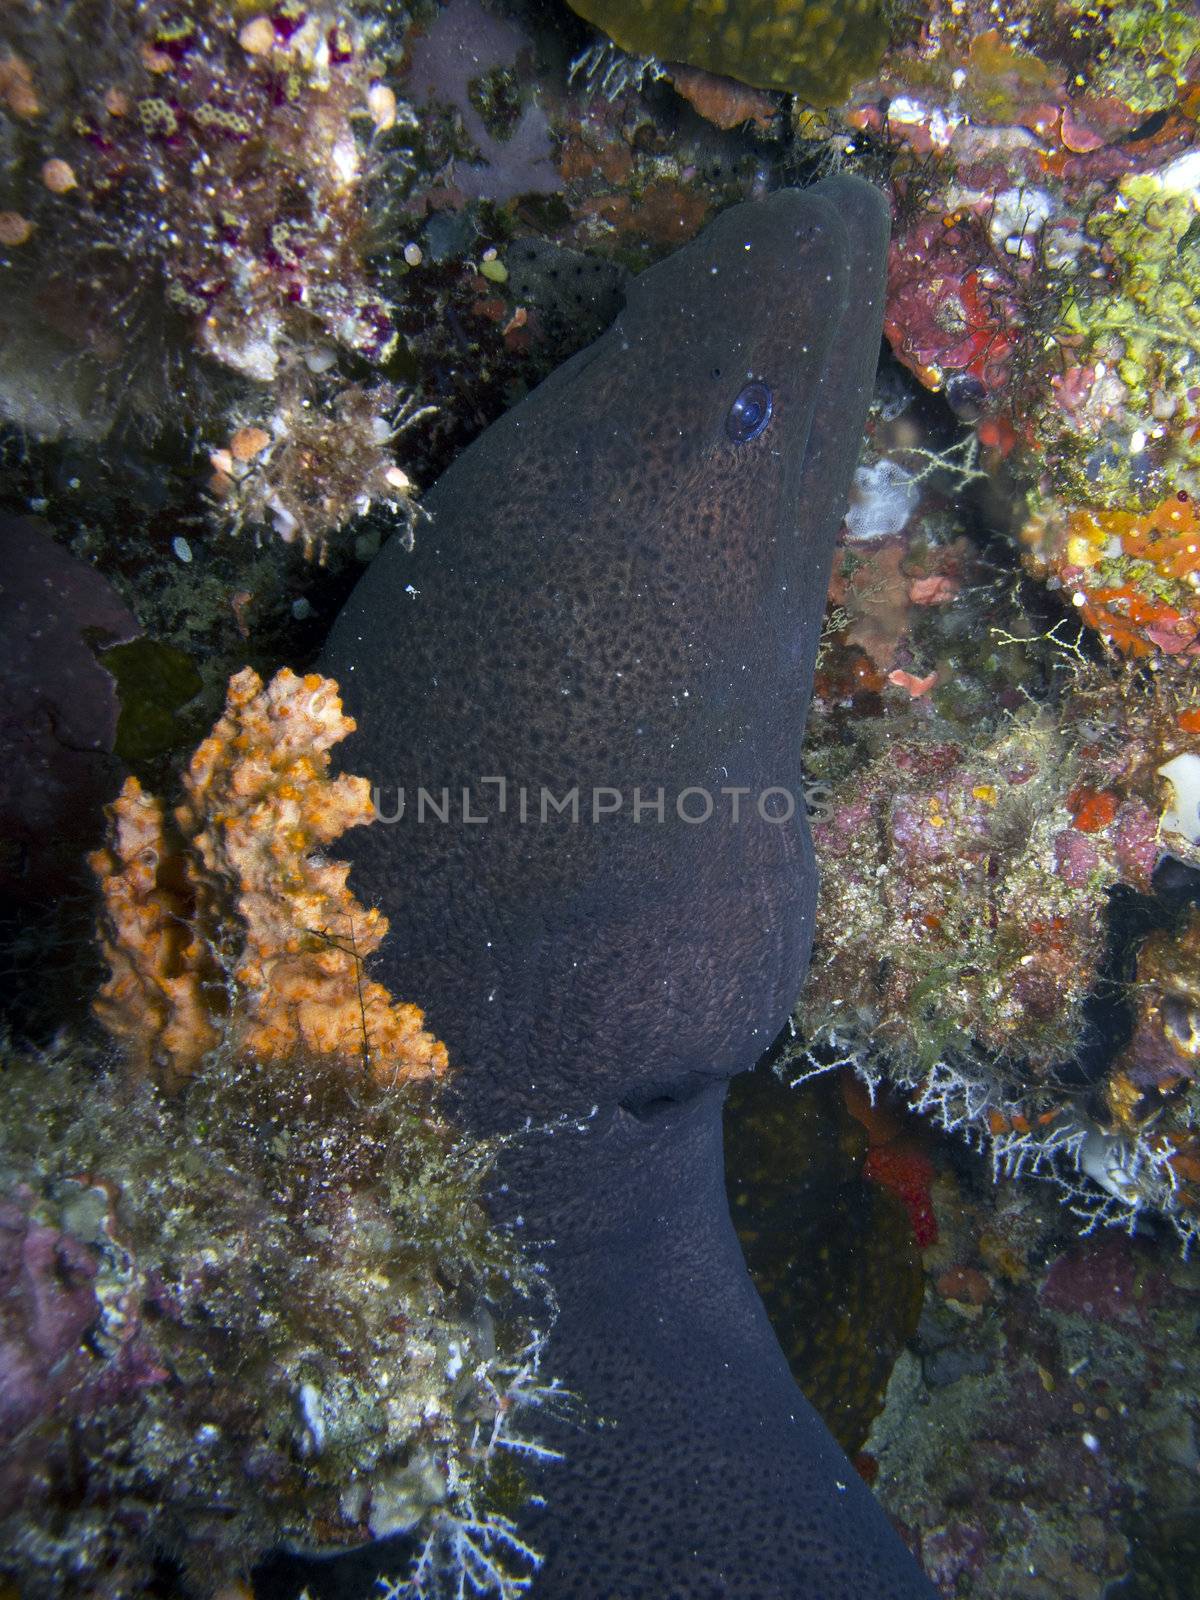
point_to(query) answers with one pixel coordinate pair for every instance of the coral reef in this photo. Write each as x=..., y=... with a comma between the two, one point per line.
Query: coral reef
x=963, y=928
x=232, y=912
x=257, y=220
x=266, y=1304
x=1042, y=164
x=208, y=154
x=195, y=208
x=1043, y=275
x=270, y=1307
x=980, y=788
x=1039, y=1436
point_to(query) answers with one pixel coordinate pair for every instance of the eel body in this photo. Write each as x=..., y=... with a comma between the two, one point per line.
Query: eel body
x=619, y=598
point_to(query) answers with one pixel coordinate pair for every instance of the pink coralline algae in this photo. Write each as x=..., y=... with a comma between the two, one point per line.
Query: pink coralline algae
x=951, y=310
x=952, y=1552
x=70, y=1325
x=1099, y=1283
x=47, y=1304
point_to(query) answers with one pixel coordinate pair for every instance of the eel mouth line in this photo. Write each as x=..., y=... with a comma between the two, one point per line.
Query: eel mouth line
x=658, y=1101
x=655, y=1102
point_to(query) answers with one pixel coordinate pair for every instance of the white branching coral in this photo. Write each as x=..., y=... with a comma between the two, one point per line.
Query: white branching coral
x=300, y=1313
x=470, y=1549
x=468, y=1554
x=1109, y=1180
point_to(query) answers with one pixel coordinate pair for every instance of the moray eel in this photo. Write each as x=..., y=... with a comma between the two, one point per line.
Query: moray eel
x=620, y=593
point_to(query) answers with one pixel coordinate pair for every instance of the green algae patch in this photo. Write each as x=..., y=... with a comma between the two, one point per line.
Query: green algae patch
x=154, y=682
x=270, y=1308
x=808, y=48
x=1152, y=45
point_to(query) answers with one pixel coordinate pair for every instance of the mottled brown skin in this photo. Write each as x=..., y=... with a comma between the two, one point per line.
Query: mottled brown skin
x=614, y=593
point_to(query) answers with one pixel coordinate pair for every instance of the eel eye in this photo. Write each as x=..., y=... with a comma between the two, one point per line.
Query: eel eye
x=749, y=413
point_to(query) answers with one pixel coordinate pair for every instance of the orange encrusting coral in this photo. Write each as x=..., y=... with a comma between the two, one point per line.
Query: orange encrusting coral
x=230, y=917
x=1135, y=624
x=158, y=999
x=1168, y=537
x=1135, y=576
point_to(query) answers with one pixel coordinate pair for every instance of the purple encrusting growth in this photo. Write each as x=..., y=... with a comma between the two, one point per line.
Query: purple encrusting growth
x=71, y=1341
